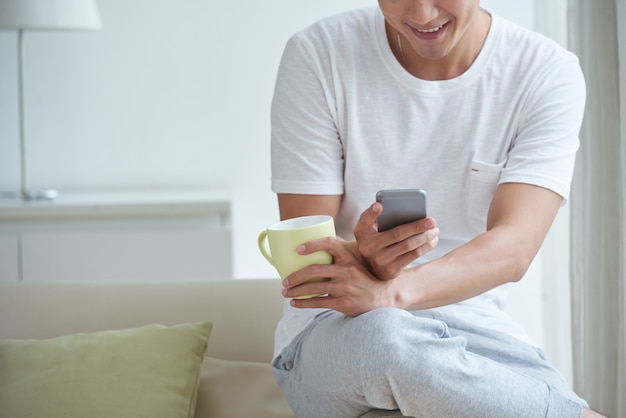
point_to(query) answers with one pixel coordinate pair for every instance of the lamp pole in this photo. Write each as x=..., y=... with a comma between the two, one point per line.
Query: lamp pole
x=20, y=92
x=24, y=192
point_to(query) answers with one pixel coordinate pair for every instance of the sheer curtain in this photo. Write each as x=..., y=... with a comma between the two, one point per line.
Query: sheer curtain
x=597, y=35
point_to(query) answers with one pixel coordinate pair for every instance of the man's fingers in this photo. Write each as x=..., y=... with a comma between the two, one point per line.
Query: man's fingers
x=368, y=221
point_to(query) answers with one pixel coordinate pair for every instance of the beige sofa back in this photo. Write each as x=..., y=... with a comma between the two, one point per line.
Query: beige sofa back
x=244, y=312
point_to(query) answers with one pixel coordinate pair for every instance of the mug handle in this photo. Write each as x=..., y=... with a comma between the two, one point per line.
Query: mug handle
x=264, y=247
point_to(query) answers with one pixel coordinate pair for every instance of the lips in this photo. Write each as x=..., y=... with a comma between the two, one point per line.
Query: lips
x=429, y=33
x=436, y=29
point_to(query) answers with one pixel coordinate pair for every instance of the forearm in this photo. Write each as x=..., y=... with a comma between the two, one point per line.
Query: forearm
x=519, y=219
x=488, y=261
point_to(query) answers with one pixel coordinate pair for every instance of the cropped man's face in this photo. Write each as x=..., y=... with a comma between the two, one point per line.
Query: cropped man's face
x=432, y=28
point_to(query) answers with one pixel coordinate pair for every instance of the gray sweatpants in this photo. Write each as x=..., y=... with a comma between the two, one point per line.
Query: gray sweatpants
x=424, y=364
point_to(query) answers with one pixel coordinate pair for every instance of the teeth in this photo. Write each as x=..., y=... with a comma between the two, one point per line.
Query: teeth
x=430, y=30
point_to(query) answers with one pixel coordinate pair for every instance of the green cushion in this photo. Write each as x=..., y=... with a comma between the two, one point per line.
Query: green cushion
x=152, y=371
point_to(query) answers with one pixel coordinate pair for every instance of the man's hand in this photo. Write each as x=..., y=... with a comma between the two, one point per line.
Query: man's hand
x=350, y=288
x=388, y=253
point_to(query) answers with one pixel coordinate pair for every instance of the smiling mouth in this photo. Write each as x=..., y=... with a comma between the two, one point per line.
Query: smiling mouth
x=433, y=30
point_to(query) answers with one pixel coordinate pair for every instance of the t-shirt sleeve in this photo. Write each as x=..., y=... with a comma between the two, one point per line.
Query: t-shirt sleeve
x=544, y=150
x=306, y=150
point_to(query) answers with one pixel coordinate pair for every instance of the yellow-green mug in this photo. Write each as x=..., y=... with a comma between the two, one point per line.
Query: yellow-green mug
x=278, y=244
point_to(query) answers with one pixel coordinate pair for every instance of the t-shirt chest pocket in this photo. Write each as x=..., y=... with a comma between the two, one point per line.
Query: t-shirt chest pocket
x=483, y=181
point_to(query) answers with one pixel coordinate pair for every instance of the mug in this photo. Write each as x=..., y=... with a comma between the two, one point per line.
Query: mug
x=278, y=244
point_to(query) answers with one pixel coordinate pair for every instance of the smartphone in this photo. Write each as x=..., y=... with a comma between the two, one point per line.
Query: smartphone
x=400, y=206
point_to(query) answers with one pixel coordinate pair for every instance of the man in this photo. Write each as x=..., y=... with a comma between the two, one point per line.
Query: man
x=444, y=96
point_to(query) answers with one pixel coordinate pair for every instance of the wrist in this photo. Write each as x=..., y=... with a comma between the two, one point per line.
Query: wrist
x=404, y=290
x=396, y=291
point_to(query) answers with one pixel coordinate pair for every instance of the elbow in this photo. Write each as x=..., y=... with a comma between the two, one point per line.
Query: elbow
x=518, y=276
x=520, y=264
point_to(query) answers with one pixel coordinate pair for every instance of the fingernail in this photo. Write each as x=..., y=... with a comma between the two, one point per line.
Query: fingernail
x=285, y=282
x=429, y=223
x=301, y=248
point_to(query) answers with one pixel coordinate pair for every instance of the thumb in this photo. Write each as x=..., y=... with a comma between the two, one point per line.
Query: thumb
x=368, y=221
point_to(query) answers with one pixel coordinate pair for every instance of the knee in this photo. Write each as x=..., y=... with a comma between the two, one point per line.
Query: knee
x=380, y=322
x=391, y=324
x=388, y=334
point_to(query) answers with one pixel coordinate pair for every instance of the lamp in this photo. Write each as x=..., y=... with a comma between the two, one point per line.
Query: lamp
x=42, y=15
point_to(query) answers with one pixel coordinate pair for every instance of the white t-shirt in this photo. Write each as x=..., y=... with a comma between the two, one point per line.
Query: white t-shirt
x=348, y=119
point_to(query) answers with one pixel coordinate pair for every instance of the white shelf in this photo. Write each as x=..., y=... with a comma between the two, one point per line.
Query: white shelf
x=117, y=235
x=124, y=203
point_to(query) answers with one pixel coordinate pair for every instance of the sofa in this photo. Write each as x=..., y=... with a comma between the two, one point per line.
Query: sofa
x=95, y=349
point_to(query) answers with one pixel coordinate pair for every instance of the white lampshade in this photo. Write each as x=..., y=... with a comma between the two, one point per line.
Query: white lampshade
x=49, y=15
